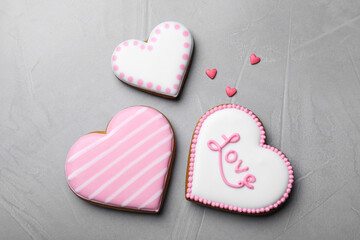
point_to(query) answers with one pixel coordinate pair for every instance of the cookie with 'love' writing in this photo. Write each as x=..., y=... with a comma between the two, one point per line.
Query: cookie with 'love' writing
x=231, y=168
x=126, y=167
x=158, y=65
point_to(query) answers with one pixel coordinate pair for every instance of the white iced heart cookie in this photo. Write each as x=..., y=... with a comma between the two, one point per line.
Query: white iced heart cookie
x=231, y=168
x=158, y=65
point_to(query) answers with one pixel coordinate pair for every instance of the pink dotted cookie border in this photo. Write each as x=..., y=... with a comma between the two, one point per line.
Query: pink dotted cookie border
x=191, y=161
x=148, y=47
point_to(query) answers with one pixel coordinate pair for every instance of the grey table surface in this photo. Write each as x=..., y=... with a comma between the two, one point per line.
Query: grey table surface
x=57, y=85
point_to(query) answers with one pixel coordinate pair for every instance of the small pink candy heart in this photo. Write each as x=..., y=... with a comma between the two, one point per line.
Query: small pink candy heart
x=230, y=91
x=254, y=59
x=211, y=73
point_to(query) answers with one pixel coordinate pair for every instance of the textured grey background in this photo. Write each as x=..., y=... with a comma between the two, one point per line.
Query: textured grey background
x=57, y=85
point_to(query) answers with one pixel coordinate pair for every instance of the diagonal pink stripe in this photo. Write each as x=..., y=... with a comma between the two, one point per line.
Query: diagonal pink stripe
x=152, y=185
x=148, y=193
x=135, y=186
x=124, y=123
x=137, y=200
x=95, y=168
x=112, y=147
x=101, y=171
x=153, y=202
x=139, y=177
x=134, y=166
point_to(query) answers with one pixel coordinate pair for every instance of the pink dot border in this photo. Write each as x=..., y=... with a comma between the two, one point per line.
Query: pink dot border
x=189, y=176
x=149, y=45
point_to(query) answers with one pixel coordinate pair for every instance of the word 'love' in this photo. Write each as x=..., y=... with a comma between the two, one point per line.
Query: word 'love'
x=231, y=157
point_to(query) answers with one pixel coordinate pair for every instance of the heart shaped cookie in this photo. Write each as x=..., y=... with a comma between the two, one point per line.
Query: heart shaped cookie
x=127, y=166
x=160, y=64
x=231, y=168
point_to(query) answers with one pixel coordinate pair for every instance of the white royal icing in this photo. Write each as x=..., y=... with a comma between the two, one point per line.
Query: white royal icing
x=269, y=169
x=159, y=65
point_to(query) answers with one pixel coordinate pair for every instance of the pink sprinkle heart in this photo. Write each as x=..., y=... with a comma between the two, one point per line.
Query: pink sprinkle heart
x=254, y=59
x=211, y=73
x=230, y=91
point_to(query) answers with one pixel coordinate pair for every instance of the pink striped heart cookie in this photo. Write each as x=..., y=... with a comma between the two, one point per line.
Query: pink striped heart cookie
x=126, y=167
x=231, y=168
x=158, y=65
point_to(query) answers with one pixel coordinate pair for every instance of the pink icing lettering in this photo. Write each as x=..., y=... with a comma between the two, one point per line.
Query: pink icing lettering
x=238, y=168
x=233, y=153
x=249, y=178
x=231, y=156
